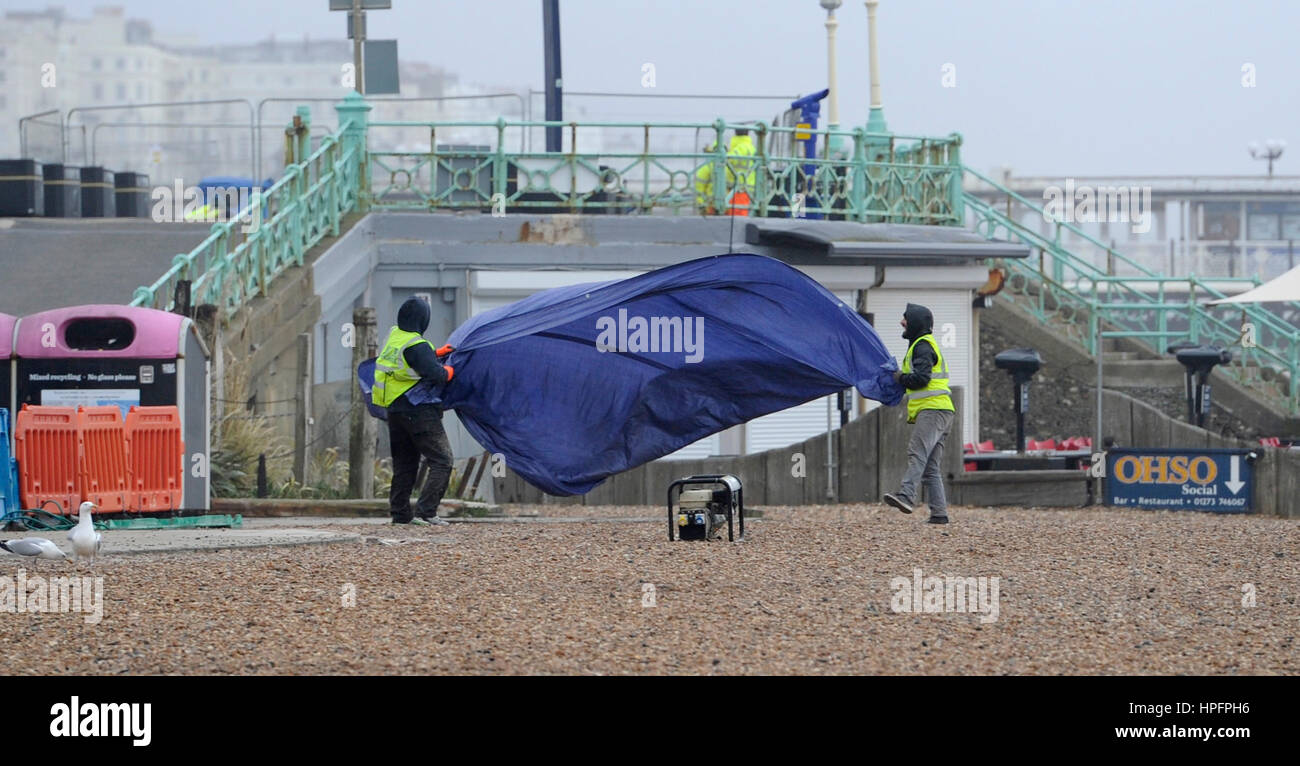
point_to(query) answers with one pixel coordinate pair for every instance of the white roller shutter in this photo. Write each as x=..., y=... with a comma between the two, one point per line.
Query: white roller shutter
x=706, y=447
x=781, y=429
x=952, y=327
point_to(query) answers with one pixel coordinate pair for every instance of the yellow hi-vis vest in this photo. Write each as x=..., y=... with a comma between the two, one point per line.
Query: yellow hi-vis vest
x=704, y=185
x=936, y=395
x=393, y=376
x=740, y=169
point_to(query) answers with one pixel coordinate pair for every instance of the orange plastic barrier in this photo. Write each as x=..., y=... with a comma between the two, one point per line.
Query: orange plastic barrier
x=45, y=443
x=157, y=458
x=101, y=437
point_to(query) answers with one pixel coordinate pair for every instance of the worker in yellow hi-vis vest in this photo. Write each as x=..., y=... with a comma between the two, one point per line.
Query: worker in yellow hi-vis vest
x=414, y=428
x=741, y=178
x=930, y=409
x=704, y=182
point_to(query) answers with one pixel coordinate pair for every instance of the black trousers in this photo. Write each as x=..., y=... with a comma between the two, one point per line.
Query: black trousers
x=412, y=434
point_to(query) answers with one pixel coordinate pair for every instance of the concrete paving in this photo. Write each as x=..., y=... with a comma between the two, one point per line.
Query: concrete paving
x=279, y=531
x=124, y=542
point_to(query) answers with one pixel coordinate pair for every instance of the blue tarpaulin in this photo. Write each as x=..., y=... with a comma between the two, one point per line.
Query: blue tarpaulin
x=575, y=384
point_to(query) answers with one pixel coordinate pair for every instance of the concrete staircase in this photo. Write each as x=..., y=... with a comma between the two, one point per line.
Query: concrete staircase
x=1133, y=367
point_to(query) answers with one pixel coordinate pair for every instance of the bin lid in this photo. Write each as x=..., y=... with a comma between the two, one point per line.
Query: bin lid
x=157, y=334
x=7, y=335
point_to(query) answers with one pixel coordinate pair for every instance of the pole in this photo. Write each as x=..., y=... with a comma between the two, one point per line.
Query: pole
x=833, y=105
x=554, y=82
x=1022, y=389
x=362, y=433
x=876, y=118
x=1096, y=444
x=830, y=451
x=358, y=45
x=302, y=410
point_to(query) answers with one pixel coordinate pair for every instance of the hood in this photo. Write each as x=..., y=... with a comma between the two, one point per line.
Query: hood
x=414, y=315
x=919, y=321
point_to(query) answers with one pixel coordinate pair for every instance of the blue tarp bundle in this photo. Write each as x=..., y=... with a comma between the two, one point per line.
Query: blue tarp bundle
x=578, y=383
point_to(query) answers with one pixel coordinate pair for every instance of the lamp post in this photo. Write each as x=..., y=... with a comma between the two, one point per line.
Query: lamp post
x=1271, y=150
x=876, y=119
x=833, y=124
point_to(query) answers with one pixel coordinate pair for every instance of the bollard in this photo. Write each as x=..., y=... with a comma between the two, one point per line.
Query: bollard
x=1021, y=363
x=261, y=476
x=1199, y=361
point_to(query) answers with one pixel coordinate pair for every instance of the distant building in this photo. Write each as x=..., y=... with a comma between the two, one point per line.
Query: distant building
x=52, y=62
x=1212, y=226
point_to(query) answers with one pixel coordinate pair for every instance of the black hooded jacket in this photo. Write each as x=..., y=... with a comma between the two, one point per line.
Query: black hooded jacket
x=414, y=316
x=919, y=322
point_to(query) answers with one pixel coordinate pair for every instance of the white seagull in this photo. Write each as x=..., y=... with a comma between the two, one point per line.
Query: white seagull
x=33, y=547
x=85, y=540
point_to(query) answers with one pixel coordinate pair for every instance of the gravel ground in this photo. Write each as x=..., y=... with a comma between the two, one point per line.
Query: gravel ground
x=1080, y=592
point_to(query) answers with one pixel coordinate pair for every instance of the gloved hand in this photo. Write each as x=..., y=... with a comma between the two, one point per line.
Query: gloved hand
x=445, y=350
x=450, y=371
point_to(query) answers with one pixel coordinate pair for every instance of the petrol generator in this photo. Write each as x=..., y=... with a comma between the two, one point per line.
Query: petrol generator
x=698, y=506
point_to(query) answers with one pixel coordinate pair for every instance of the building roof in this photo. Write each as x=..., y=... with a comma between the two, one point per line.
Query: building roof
x=880, y=243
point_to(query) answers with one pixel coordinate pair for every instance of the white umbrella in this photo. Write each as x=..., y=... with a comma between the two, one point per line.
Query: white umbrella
x=1284, y=288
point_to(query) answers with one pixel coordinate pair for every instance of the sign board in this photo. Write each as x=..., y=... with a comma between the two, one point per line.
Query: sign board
x=122, y=398
x=802, y=131
x=1219, y=480
x=366, y=5
x=381, y=68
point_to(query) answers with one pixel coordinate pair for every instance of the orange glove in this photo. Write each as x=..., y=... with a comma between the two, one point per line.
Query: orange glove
x=450, y=371
x=446, y=349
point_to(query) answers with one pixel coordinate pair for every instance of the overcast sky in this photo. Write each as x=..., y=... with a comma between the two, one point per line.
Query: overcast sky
x=1050, y=87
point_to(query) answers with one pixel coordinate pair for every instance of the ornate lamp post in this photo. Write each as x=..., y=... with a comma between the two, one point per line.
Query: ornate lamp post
x=833, y=117
x=876, y=118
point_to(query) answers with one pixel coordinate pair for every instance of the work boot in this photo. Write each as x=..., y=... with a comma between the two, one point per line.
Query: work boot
x=898, y=503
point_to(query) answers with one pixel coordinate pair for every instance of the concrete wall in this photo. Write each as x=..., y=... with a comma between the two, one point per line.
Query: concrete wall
x=793, y=475
x=871, y=454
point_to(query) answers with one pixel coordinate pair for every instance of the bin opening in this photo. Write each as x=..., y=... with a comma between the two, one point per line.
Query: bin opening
x=109, y=334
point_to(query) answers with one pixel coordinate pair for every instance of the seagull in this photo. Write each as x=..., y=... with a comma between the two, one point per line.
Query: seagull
x=85, y=540
x=33, y=547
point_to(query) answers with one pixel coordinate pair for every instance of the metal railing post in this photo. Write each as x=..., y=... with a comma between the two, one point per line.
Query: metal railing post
x=353, y=115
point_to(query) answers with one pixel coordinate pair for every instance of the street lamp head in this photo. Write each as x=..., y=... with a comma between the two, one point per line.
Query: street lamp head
x=831, y=5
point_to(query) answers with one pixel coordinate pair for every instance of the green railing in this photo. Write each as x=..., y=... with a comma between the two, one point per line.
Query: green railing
x=1083, y=300
x=881, y=178
x=241, y=256
x=875, y=178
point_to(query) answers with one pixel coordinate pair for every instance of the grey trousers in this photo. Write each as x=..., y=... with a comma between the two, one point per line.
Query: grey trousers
x=925, y=458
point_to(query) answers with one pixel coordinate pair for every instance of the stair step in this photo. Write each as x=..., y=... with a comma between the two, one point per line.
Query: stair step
x=1121, y=356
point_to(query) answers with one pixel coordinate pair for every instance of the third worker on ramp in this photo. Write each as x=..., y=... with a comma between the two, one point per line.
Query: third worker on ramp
x=929, y=409
x=414, y=430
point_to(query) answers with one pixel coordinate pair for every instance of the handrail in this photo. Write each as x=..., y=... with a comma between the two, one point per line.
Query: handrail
x=257, y=147
x=888, y=177
x=1118, y=302
x=301, y=211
